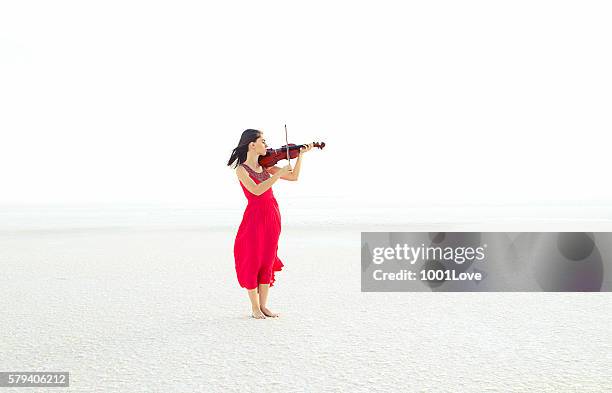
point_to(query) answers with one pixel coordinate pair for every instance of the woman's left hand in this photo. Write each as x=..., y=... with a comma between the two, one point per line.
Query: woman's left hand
x=306, y=148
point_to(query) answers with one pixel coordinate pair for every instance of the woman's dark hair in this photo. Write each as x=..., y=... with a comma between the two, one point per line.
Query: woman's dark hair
x=240, y=152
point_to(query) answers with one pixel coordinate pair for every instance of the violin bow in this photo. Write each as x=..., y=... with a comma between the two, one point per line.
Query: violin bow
x=287, y=144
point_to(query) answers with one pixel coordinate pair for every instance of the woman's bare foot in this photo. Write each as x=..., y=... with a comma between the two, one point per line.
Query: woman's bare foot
x=257, y=314
x=268, y=313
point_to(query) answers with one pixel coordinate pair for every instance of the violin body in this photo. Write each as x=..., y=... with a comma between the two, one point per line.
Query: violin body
x=275, y=155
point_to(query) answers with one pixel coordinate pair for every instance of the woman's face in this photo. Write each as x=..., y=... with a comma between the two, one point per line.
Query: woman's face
x=260, y=145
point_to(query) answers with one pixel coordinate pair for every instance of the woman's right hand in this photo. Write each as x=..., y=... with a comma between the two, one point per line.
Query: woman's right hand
x=286, y=170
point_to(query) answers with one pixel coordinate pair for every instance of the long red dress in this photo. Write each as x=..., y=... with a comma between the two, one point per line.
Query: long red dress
x=256, y=244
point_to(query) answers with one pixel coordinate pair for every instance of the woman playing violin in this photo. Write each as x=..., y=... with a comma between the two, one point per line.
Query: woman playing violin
x=256, y=243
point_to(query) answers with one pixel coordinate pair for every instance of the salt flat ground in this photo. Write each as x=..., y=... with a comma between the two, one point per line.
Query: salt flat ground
x=160, y=310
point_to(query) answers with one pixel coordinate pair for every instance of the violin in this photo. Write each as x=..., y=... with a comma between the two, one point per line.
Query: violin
x=273, y=156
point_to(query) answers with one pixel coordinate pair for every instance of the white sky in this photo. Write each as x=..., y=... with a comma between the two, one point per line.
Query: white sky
x=424, y=102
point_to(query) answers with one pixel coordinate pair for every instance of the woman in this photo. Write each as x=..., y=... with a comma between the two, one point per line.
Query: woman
x=256, y=244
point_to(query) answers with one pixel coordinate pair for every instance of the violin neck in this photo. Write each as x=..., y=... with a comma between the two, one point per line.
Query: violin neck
x=320, y=145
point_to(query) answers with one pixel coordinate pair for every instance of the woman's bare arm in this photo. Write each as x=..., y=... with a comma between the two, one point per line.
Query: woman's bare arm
x=250, y=184
x=295, y=173
x=290, y=176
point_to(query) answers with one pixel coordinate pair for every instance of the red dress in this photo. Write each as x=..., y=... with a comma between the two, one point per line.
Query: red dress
x=256, y=244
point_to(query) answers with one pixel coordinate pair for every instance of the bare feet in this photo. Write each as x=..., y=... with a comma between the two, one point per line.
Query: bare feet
x=257, y=314
x=268, y=313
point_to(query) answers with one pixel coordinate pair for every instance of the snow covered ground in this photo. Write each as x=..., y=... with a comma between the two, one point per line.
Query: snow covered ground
x=154, y=305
